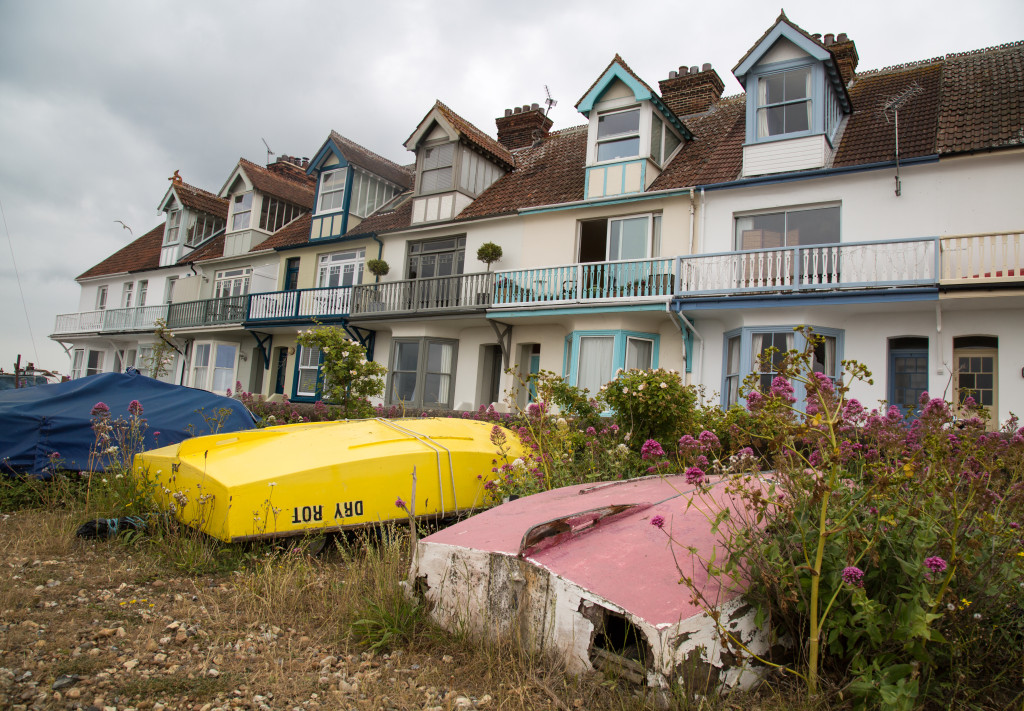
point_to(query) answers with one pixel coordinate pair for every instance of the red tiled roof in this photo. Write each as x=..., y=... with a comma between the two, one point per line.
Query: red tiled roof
x=141, y=254
x=546, y=174
x=293, y=186
x=475, y=136
x=715, y=155
x=394, y=217
x=295, y=232
x=198, y=199
x=869, y=136
x=212, y=249
x=368, y=160
x=982, y=99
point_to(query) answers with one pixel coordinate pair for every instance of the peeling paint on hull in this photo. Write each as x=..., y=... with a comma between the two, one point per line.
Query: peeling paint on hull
x=581, y=573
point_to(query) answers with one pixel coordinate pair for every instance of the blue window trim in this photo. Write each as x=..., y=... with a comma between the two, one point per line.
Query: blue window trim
x=817, y=98
x=893, y=354
x=746, y=357
x=345, y=200
x=572, y=349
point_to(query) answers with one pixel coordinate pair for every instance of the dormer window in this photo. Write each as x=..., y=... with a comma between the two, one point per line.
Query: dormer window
x=332, y=190
x=663, y=141
x=784, y=103
x=173, y=225
x=436, y=170
x=241, y=209
x=618, y=135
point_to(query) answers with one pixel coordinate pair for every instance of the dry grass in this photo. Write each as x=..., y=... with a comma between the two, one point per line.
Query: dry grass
x=181, y=621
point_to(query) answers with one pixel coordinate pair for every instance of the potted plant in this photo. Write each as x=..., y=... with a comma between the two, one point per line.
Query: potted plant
x=378, y=267
x=489, y=253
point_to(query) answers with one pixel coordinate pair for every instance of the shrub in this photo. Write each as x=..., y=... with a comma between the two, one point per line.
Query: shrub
x=651, y=404
x=350, y=380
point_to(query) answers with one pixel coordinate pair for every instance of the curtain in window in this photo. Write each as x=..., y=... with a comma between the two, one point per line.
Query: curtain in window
x=639, y=354
x=595, y=362
x=762, y=114
x=224, y=368
x=438, y=375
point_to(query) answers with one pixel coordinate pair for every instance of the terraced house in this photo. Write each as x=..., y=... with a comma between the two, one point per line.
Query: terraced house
x=678, y=228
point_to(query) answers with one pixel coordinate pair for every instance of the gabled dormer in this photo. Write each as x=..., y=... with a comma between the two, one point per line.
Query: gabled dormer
x=193, y=216
x=352, y=183
x=796, y=98
x=263, y=200
x=455, y=162
x=632, y=133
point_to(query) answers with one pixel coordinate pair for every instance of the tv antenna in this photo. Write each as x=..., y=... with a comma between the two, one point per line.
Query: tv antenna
x=549, y=101
x=893, y=105
x=269, y=152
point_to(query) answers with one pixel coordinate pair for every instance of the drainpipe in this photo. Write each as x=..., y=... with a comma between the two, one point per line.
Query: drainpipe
x=684, y=325
x=703, y=221
x=693, y=237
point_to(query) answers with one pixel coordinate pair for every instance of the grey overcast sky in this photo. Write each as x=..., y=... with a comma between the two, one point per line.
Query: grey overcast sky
x=101, y=101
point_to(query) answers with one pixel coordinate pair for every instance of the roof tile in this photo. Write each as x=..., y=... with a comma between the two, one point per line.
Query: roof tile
x=368, y=160
x=285, y=181
x=141, y=254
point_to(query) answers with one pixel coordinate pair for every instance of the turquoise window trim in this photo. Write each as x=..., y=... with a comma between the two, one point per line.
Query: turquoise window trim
x=615, y=71
x=746, y=357
x=818, y=97
x=619, y=337
x=329, y=214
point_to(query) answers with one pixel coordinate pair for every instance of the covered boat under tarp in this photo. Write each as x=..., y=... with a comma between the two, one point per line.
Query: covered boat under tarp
x=325, y=476
x=580, y=572
x=37, y=422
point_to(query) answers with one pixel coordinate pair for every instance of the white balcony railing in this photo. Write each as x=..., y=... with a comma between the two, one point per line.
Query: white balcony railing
x=971, y=259
x=833, y=266
x=139, y=318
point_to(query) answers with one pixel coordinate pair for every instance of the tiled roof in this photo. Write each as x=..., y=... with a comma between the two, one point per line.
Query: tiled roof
x=716, y=153
x=869, y=136
x=475, y=136
x=295, y=232
x=395, y=216
x=547, y=174
x=141, y=254
x=212, y=249
x=621, y=62
x=198, y=199
x=368, y=160
x=781, y=18
x=983, y=99
x=293, y=186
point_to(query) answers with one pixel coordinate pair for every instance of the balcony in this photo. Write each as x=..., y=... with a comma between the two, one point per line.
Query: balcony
x=970, y=260
x=300, y=305
x=634, y=280
x=139, y=318
x=224, y=311
x=900, y=263
x=461, y=293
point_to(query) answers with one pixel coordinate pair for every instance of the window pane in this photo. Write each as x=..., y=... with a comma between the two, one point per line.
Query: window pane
x=818, y=226
x=639, y=354
x=404, y=387
x=618, y=123
x=408, y=354
x=797, y=84
x=629, y=238
x=622, y=148
x=439, y=357
x=656, y=139
x=774, y=88
x=224, y=368
x=798, y=116
x=595, y=362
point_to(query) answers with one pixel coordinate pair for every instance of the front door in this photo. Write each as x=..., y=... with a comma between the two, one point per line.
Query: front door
x=908, y=378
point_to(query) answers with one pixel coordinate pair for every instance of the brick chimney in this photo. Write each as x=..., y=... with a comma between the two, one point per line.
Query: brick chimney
x=522, y=126
x=691, y=90
x=845, y=52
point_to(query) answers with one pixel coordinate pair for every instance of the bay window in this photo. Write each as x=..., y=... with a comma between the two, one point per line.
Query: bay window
x=213, y=366
x=275, y=214
x=749, y=350
x=593, y=357
x=423, y=372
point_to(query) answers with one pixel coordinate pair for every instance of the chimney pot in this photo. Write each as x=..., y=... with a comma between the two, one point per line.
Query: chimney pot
x=706, y=67
x=534, y=107
x=508, y=112
x=691, y=91
x=526, y=107
x=672, y=74
x=522, y=126
x=683, y=71
x=517, y=110
x=693, y=69
x=830, y=39
x=842, y=37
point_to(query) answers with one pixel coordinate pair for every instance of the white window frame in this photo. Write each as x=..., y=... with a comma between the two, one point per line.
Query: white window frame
x=207, y=379
x=621, y=136
x=127, y=292
x=308, y=360
x=143, y=293
x=101, y=297
x=241, y=218
x=172, y=230
x=90, y=367
x=330, y=187
x=169, y=289
x=231, y=278
x=77, y=363
x=339, y=260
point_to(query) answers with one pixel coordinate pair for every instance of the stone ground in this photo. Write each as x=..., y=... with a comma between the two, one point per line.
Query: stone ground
x=94, y=625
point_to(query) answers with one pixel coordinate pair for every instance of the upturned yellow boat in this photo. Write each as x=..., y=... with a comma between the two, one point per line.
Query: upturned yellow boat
x=325, y=476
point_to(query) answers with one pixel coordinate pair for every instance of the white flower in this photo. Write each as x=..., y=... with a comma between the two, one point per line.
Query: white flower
x=344, y=354
x=562, y=424
x=603, y=388
x=623, y=449
x=664, y=385
x=642, y=386
x=625, y=391
x=352, y=372
x=273, y=483
x=327, y=350
x=519, y=464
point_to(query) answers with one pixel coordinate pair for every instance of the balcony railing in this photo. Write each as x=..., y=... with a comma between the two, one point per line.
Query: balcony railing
x=302, y=304
x=639, y=279
x=910, y=262
x=139, y=318
x=208, y=312
x=973, y=259
x=464, y=292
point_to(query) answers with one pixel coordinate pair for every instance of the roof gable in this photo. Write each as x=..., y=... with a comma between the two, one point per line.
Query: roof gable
x=293, y=186
x=456, y=126
x=195, y=199
x=349, y=152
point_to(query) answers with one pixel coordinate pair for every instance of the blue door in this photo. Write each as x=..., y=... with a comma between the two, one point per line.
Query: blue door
x=908, y=378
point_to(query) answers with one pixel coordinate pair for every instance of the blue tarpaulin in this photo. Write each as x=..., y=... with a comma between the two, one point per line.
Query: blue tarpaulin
x=36, y=422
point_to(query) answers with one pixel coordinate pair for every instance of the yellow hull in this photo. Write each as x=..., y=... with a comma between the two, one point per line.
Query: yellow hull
x=297, y=479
